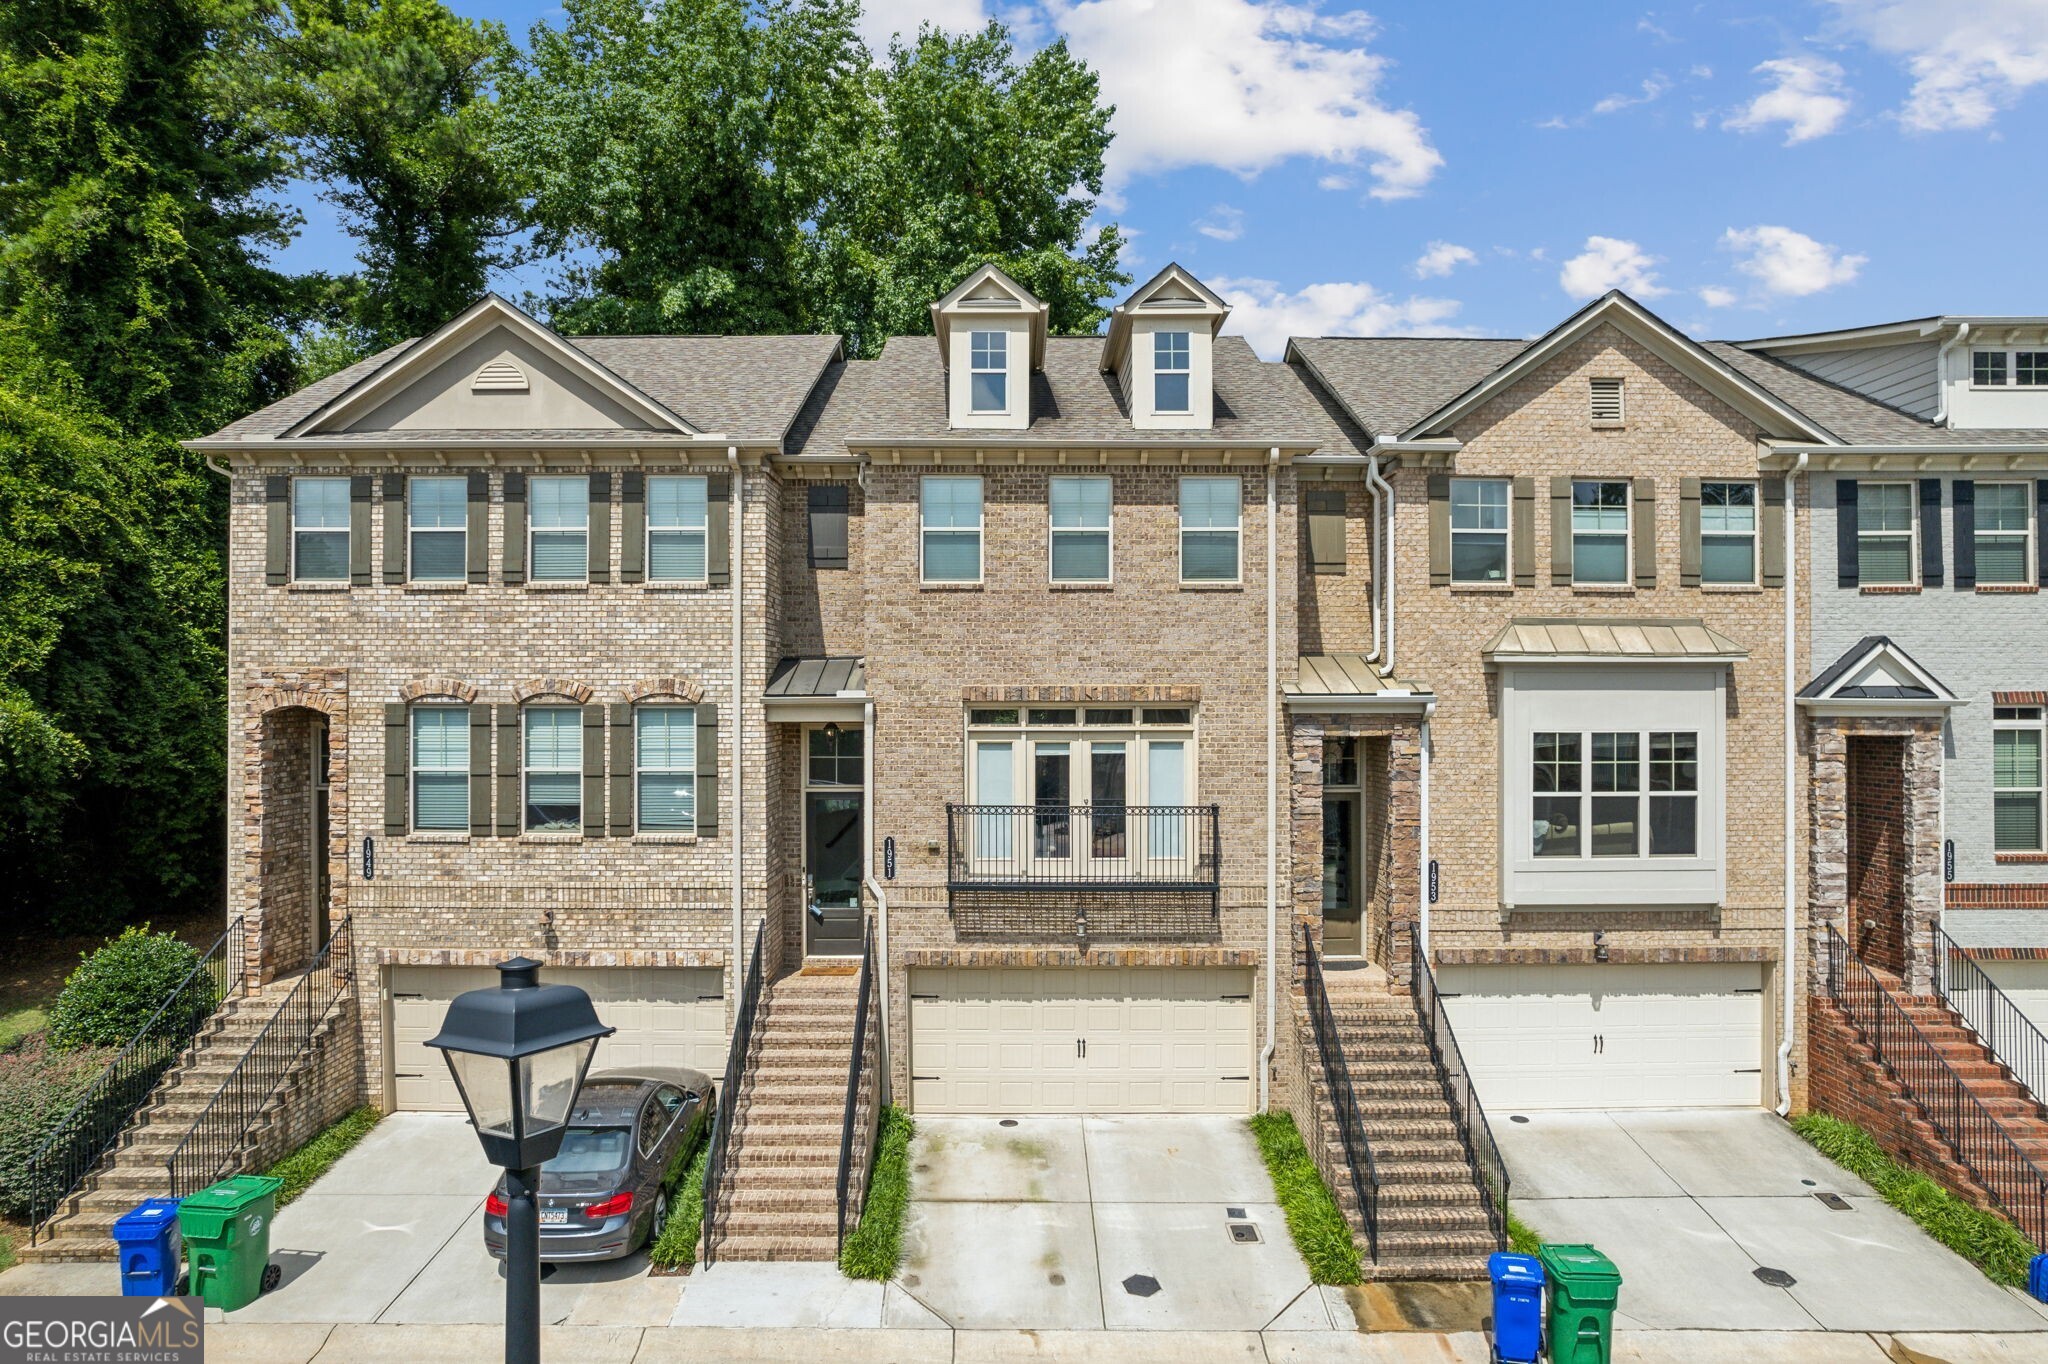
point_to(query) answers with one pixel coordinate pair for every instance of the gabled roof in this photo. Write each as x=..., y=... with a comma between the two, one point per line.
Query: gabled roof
x=1386, y=383
x=990, y=289
x=1173, y=289
x=1876, y=676
x=1610, y=639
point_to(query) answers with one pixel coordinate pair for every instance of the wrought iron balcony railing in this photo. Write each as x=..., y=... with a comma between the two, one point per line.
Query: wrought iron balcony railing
x=1083, y=847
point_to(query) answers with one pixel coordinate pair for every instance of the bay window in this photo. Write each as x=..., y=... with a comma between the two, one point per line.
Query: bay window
x=2016, y=805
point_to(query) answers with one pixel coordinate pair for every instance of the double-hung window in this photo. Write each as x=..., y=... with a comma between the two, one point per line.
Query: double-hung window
x=988, y=371
x=437, y=515
x=1170, y=372
x=560, y=530
x=676, y=519
x=1080, y=509
x=1211, y=524
x=440, y=768
x=320, y=515
x=1884, y=534
x=665, y=768
x=1728, y=532
x=949, y=509
x=554, y=768
x=2016, y=778
x=1601, y=807
x=2005, y=534
x=1479, y=530
x=1600, y=531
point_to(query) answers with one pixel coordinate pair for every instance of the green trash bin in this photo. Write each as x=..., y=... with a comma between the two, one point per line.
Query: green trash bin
x=226, y=1227
x=1584, y=1285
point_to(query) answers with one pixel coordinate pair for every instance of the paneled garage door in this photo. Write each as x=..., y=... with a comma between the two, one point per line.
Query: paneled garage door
x=1609, y=1036
x=664, y=1017
x=1081, y=1040
x=2025, y=982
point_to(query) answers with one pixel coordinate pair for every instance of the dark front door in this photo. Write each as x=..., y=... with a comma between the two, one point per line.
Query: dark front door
x=1342, y=936
x=832, y=862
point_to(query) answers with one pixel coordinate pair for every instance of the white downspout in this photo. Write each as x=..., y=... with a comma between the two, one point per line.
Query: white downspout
x=867, y=807
x=1272, y=780
x=735, y=548
x=1787, y=982
x=227, y=658
x=1373, y=485
x=1385, y=590
x=1422, y=826
x=1941, y=373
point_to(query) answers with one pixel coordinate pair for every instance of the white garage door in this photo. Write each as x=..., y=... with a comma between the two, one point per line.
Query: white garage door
x=664, y=1017
x=1609, y=1036
x=1081, y=1040
x=2025, y=983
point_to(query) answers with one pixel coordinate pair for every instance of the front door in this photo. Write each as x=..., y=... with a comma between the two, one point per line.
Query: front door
x=317, y=854
x=1342, y=936
x=832, y=871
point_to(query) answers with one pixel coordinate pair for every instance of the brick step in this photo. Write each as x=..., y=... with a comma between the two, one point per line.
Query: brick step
x=1383, y=1111
x=1419, y=1219
x=1424, y=1151
x=1370, y=1073
x=1383, y=1132
x=809, y=1004
x=1444, y=1193
x=782, y=1210
x=790, y=1054
x=1408, y=1243
x=1427, y=1268
x=779, y=1248
x=798, y=1087
x=818, y=1179
x=1357, y=1049
x=786, y=1133
x=809, y=1157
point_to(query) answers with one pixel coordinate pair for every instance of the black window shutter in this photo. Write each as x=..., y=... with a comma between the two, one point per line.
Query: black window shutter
x=1930, y=532
x=632, y=527
x=827, y=505
x=621, y=807
x=277, y=521
x=359, y=530
x=1523, y=531
x=2040, y=540
x=511, y=801
x=707, y=767
x=718, y=530
x=477, y=538
x=1771, y=553
x=1846, y=574
x=593, y=771
x=1439, y=489
x=1965, y=494
x=515, y=529
x=394, y=528
x=600, y=534
x=479, y=771
x=397, y=757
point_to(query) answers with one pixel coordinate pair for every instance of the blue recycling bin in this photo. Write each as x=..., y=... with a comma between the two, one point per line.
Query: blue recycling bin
x=2037, y=1277
x=150, y=1249
x=1517, y=1306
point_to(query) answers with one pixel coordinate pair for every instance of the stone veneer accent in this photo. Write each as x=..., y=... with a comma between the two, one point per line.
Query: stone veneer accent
x=1390, y=777
x=1919, y=887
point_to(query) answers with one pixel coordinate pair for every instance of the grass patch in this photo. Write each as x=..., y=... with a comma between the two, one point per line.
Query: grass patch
x=874, y=1248
x=1522, y=1238
x=6, y=1249
x=1313, y=1218
x=16, y=1024
x=676, y=1250
x=299, y=1169
x=1985, y=1239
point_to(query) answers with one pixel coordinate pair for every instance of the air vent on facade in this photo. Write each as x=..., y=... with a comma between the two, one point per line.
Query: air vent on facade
x=500, y=376
x=1607, y=400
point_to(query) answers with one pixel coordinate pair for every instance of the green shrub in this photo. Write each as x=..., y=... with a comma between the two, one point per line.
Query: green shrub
x=677, y=1248
x=875, y=1247
x=1985, y=1239
x=119, y=988
x=1522, y=1238
x=42, y=1085
x=299, y=1169
x=1313, y=1218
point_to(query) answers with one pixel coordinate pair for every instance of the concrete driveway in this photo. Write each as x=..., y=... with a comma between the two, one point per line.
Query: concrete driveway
x=1691, y=1205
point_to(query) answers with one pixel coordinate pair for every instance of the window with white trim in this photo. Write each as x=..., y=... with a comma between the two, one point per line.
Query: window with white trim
x=677, y=516
x=440, y=768
x=665, y=769
x=437, y=527
x=2016, y=803
x=1079, y=507
x=1728, y=533
x=1884, y=534
x=949, y=513
x=1211, y=527
x=988, y=371
x=1171, y=372
x=1602, y=806
x=2009, y=368
x=558, y=530
x=320, y=524
x=554, y=769
x=2005, y=534
x=1479, y=530
x=1058, y=783
x=1600, y=531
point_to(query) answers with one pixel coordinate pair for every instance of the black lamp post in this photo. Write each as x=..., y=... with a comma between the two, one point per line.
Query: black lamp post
x=518, y=1054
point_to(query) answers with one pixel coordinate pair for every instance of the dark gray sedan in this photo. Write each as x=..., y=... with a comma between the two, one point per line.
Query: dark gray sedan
x=620, y=1169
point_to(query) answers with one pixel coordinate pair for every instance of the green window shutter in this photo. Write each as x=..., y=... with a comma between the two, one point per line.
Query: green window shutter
x=593, y=771
x=632, y=527
x=479, y=771
x=394, y=528
x=827, y=507
x=1561, y=530
x=277, y=530
x=1324, y=509
x=1689, y=532
x=1439, y=529
x=1645, y=510
x=718, y=530
x=511, y=803
x=359, y=529
x=477, y=538
x=515, y=529
x=707, y=767
x=600, y=537
x=397, y=770
x=1523, y=531
x=621, y=807
x=1771, y=529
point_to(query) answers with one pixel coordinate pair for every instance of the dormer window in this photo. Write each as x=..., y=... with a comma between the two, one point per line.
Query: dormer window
x=1171, y=366
x=1161, y=348
x=989, y=366
x=2018, y=368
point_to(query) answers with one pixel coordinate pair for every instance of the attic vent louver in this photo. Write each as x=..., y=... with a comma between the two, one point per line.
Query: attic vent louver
x=1606, y=400
x=499, y=376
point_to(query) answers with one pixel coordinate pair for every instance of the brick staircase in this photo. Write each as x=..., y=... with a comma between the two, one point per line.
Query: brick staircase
x=780, y=1200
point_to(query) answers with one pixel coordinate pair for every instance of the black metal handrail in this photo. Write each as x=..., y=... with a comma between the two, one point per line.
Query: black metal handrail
x=82, y=1136
x=1982, y=1146
x=217, y=1142
x=1076, y=847
x=857, y=1127
x=1488, y=1169
x=1358, y=1161
x=2012, y=1037
x=728, y=1094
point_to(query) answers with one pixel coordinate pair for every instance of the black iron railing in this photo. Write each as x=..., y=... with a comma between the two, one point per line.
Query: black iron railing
x=1993, y=1160
x=728, y=1095
x=218, y=1143
x=81, y=1137
x=2013, y=1037
x=1082, y=847
x=1358, y=1161
x=863, y=1094
x=1474, y=1131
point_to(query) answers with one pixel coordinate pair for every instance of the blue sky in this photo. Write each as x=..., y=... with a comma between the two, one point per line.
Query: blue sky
x=1451, y=166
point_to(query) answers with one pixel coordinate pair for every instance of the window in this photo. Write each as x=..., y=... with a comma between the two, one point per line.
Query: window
x=1727, y=532
x=2005, y=538
x=1613, y=807
x=1987, y=367
x=560, y=533
x=1600, y=532
x=437, y=512
x=950, y=511
x=320, y=514
x=676, y=516
x=2030, y=368
x=1116, y=786
x=988, y=372
x=2016, y=805
x=1606, y=394
x=1080, y=529
x=1674, y=794
x=1479, y=530
x=440, y=768
x=1210, y=522
x=1884, y=533
x=1170, y=376
x=2019, y=368
x=665, y=768
x=554, y=768
x=833, y=756
x=1556, y=806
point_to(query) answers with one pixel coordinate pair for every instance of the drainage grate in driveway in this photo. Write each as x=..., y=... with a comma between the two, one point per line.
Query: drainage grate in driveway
x=1244, y=1233
x=1776, y=1278
x=1835, y=1201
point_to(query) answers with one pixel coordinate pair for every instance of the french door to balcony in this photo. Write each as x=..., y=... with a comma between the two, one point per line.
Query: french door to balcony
x=1073, y=809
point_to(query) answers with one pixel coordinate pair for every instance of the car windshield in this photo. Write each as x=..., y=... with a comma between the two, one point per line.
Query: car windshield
x=590, y=1151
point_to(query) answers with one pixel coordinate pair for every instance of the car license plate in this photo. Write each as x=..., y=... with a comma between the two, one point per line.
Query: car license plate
x=554, y=1217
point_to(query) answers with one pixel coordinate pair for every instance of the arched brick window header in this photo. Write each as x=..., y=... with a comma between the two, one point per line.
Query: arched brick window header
x=326, y=693
x=535, y=688
x=437, y=689
x=661, y=688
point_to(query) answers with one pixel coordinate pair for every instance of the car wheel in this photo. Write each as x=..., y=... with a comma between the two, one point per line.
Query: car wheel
x=660, y=1222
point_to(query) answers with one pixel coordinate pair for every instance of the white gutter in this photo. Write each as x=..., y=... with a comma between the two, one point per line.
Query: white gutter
x=1272, y=780
x=1386, y=589
x=1428, y=751
x=1787, y=982
x=227, y=658
x=1374, y=484
x=735, y=540
x=1941, y=373
x=867, y=809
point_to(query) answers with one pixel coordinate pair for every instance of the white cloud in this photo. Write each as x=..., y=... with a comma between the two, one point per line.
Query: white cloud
x=1223, y=224
x=1714, y=296
x=1788, y=264
x=1806, y=95
x=1333, y=182
x=1651, y=89
x=1611, y=263
x=1244, y=85
x=1266, y=314
x=1967, y=61
x=1440, y=259
x=880, y=19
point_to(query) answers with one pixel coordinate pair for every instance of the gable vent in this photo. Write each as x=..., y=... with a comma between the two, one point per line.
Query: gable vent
x=1607, y=400
x=499, y=376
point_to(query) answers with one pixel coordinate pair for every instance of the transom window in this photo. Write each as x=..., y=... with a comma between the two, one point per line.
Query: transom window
x=560, y=527
x=1596, y=795
x=2016, y=806
x=440, y=768
x=1727, y=532
x=320, y=516
x=554, y=768
x=437, y=511
x=1080, y=509
x=1211, y=524
x=1170, y=372
x=1600, y=531
x=988, y=371
x=2017, y=368
x=1884, y=533
x=676, y=518
x=1479, y=530
x=2005, y=533
x=949, y=506
x=833, y=756
x=665, y=768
